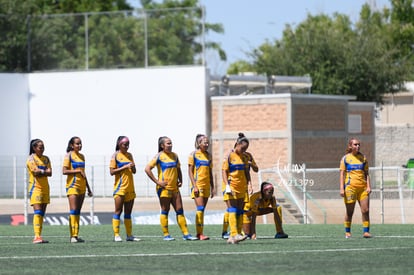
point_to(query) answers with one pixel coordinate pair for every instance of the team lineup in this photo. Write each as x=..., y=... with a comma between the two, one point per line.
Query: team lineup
x=242, y=205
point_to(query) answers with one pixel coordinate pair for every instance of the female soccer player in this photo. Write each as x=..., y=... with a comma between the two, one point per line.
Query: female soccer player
x=38, y=168
x=122, y=166
x=236, y=178
x=168, y=182
x=355, y=185
x=201, y=177
x=262, y=203
x=252, y=164
x=76, y=185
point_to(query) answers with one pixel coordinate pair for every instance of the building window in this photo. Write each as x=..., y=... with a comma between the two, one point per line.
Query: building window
x=354, y=124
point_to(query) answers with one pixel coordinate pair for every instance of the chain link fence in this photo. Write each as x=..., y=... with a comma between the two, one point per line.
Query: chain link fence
x=312, y=195
x=307, y=195
x=102, y=40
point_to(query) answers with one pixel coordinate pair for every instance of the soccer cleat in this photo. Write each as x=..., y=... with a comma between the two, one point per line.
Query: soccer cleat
x=168, y=238
x=281, y=236
x=240, y=238
x=225, y=235
x=132, y=239
x=347, y=235
x=201, y=237
x=189, y=238
x=367, y=235
x=38, y=240
x=76, y=240
x=117, y=238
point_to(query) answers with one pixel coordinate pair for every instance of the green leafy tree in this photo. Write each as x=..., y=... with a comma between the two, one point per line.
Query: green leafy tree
x=175, y=30
x=365, y=59
x=240, y=66
x=78, y=34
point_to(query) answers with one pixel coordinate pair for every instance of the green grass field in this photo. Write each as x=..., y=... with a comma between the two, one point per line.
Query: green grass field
x=310, y=249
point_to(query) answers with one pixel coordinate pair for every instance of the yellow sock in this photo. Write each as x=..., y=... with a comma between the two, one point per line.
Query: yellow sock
x=182, y=223
x=277, y=224
x=128, y=226
x=72, y=224
x=239, y=223
x=225, y=222
x=199, y=222
x=37, y=224
x=233, y=224
x=76, y=227
x=115, y=225
x=164, y=223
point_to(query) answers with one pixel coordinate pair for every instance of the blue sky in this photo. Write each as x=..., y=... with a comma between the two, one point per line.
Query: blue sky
x=248, y=23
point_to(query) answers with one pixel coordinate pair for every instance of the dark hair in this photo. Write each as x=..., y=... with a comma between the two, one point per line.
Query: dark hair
x=262, y=186
x=70, y=143
x=161, y=141
x=241, y=138
x=118, y=141
x=33, y=143
x=198, y=139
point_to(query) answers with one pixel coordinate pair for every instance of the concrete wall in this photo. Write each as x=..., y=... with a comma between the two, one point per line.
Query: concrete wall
x=99, y=106
x=14, y=121
x=394, y=145
x=320, y=130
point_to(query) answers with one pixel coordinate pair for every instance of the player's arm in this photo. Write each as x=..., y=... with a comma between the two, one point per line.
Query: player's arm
x=211, y=183
x=341, y=182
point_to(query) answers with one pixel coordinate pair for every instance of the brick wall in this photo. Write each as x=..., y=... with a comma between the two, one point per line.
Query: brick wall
x=320, y=115
x=288, y=128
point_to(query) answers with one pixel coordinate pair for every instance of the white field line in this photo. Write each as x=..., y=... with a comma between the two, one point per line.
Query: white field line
x=203, y=254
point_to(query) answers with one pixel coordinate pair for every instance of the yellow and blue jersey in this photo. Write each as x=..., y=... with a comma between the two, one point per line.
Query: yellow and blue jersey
x=237, y=166
x=73, y=161
x=202, y=164
x=37, y=183
x=256, y=203
x=124, y=181
x=356, y=168
x=167, y=166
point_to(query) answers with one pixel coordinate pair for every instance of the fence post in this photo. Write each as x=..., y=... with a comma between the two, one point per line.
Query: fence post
x=93, y=197
x=25, y=196
x=382, y=192
x=86, y=42
x=14, y=177
x=305, y=202
x=29, y=44
x=400, y=191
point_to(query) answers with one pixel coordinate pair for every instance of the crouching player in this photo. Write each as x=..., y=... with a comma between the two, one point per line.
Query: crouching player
x=262, y=203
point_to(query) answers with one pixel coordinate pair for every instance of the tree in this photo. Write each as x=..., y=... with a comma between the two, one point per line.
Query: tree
x=50, y=35
x=176, y=28
x=240, y=66
x=341, y=58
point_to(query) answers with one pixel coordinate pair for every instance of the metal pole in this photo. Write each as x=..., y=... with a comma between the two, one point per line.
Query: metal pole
x=14, y=177
x=400, y=191
x=93, y=197
x=29, y=45
x=146, y=38
x=25, y=197
x=203, y=33
x=86, y=42
x=382, y=192
x=305, y=202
